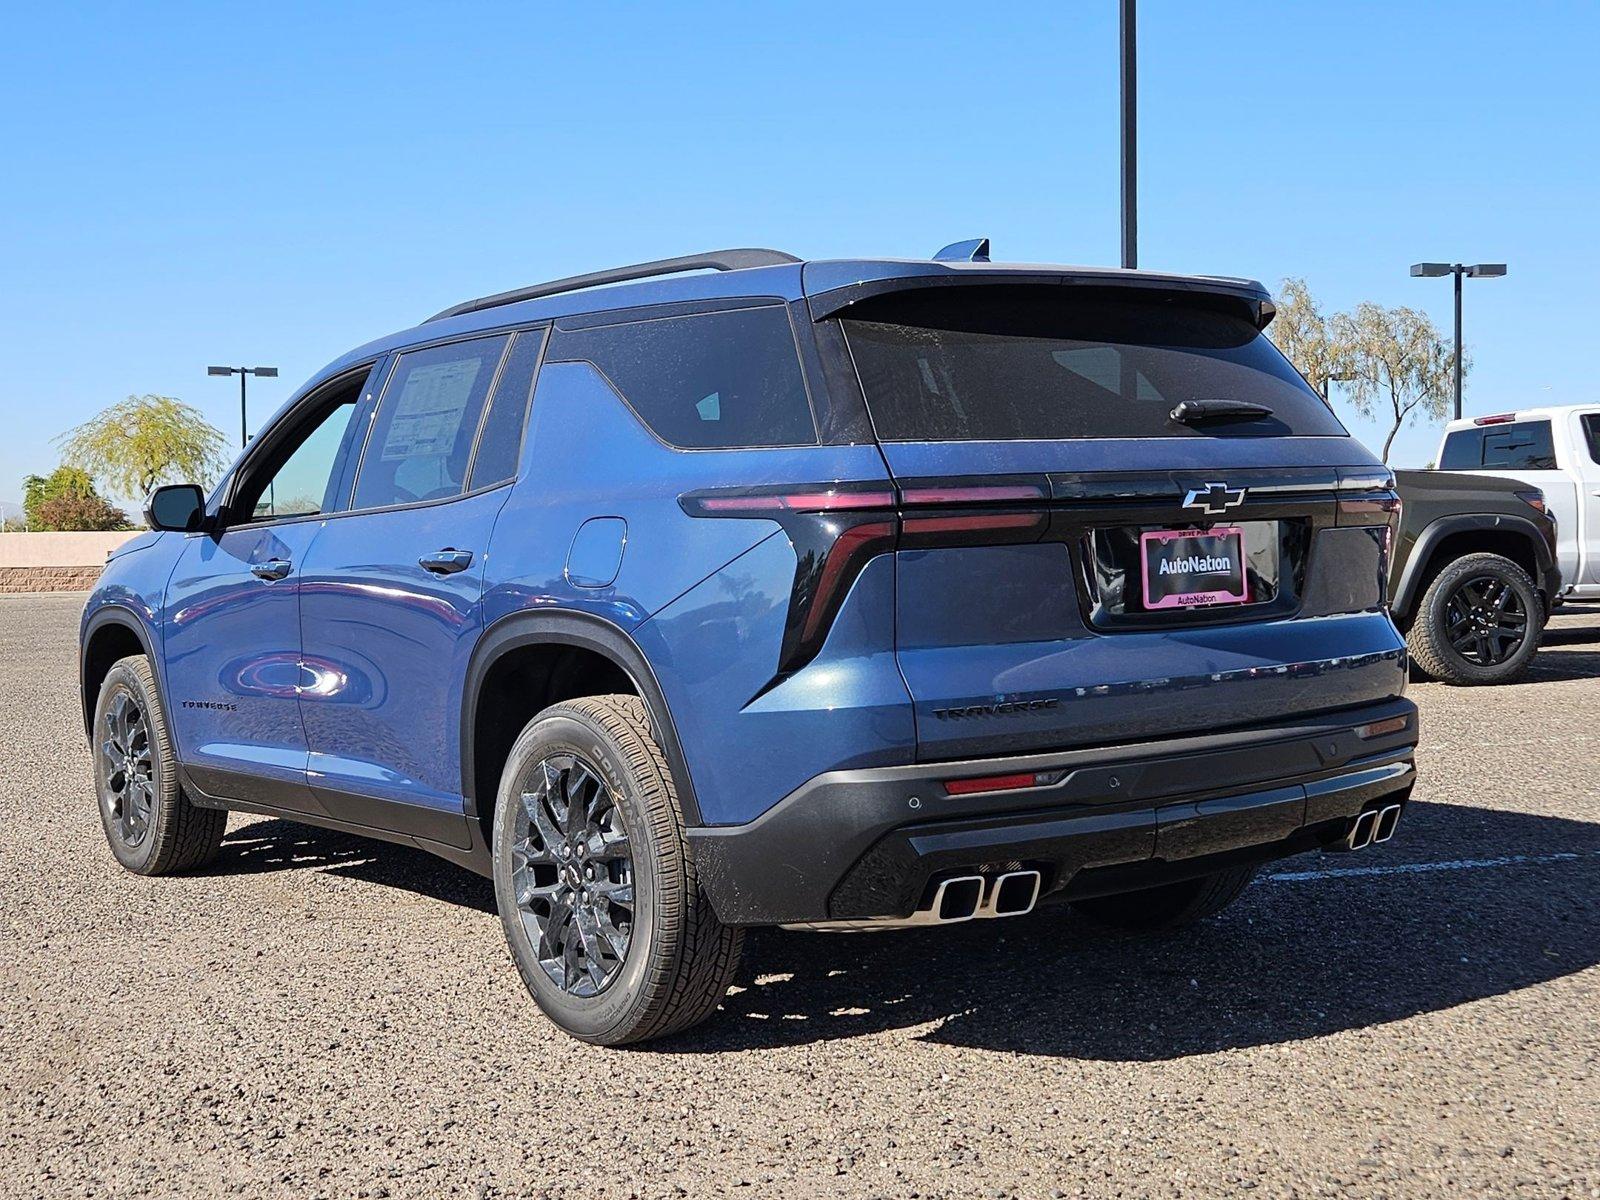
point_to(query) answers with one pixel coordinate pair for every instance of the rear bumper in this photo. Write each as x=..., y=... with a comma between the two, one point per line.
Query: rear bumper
x=862, y=844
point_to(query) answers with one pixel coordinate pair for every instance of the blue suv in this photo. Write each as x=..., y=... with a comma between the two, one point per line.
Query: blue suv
x=748, y=591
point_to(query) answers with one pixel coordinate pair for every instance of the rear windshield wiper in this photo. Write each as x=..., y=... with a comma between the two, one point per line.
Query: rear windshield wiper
x=1193, y=412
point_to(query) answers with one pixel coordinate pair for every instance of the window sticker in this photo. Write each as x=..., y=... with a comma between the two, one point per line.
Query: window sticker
x=428, y=414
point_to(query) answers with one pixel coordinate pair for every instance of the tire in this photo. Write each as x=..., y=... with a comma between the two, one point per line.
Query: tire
x=150, y=825
x=1170, y=906
x=1508, y=602
x=676, y=960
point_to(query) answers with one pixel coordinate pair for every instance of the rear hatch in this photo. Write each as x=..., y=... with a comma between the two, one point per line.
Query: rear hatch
x=1123, y=514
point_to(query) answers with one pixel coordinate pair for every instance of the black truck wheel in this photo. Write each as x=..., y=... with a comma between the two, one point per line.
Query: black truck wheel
x=1479, y=622
x=596, y=890
x=1170, y=906
x=150, y=824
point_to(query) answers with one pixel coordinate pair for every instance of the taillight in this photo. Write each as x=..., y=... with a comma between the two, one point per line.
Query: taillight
x=1376, y=508
x=978, y=494
x=772, y=503
x=837, y=528
x=1534, y=498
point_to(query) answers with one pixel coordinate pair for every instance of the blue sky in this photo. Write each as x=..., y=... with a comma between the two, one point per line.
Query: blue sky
x=276, y=183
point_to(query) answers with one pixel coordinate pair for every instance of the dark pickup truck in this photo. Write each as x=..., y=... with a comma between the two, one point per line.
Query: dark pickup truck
x=1473, y=575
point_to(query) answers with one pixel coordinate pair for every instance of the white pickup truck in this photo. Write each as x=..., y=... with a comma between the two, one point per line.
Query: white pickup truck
x=1556, y=450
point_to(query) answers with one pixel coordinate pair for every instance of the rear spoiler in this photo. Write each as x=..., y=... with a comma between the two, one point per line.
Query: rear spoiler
x=832, y=287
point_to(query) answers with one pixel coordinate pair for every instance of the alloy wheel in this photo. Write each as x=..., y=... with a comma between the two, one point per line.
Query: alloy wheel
x=572, y=874
x=1485, y=620
x=129, y=769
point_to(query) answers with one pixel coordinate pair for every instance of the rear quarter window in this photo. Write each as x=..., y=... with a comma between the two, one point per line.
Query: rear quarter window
x=999, y=362
x=706, y=381
x=1519, y=446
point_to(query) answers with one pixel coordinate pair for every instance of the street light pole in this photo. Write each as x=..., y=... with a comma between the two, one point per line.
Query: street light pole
x=1130, y=134
x=1457, y=355
x=1327, y=386
x=241, y=372
x=1433, y=270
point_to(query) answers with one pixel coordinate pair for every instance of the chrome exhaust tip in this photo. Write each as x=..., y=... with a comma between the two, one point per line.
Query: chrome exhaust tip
x=1360, y=835
x=1388, y=820
x=957, y=899
x=1014, y=894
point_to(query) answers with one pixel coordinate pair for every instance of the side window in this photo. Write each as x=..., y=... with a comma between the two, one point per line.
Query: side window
x=295, y=481
x=420, y=445
x=707, y=381
x=1591, y=435
x=1463, y=450
x=1525, y=446
x=500, y=443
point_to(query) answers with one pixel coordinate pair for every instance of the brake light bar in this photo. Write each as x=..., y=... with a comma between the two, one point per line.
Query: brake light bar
x=1497, y=419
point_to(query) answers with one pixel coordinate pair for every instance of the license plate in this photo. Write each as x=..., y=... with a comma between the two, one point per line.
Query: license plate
x=1184, y=568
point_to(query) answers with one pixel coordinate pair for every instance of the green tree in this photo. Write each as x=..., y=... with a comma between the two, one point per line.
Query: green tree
x=133, y=445
x=80, y=513
x=1306, y=337
x=63, y=482
x=1399, y=365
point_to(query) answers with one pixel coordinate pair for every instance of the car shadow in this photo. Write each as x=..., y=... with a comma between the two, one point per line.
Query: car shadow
x=278, y=845
x=1389, y=935
x=1465, y=904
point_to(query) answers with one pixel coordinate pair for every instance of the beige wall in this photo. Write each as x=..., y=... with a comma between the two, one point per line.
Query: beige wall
x=59, y=549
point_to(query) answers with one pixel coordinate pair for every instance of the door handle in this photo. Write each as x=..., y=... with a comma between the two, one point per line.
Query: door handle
x=447, y=561
x=273, y=568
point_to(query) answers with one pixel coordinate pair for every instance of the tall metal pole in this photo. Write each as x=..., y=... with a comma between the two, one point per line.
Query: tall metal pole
x=1130, y=136
x=244, y=423
x=1459, y=271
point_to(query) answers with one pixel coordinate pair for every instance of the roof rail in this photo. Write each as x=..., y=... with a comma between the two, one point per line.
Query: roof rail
x=714, y=260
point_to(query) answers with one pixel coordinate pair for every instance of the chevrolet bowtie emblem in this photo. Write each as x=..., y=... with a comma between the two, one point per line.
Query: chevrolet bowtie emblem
x=1214, y=498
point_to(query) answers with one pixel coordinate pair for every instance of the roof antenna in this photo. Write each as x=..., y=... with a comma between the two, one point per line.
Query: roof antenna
x=971, y=250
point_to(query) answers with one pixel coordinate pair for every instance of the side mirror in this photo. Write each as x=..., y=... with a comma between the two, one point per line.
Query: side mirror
x=175, y=506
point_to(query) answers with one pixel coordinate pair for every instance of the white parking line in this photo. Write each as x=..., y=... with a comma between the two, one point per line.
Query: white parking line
x=1460, y=864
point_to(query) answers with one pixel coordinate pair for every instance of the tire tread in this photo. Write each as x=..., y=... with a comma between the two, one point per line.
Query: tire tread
x=1425, y=641
x=186, y=836
x=700, y=954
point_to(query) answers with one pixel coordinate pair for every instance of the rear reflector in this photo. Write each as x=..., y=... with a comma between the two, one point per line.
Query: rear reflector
x=990, y=783
x=1379, y=728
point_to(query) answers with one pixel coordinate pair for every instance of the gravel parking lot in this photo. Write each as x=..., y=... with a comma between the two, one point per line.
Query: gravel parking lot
x=320, y=1015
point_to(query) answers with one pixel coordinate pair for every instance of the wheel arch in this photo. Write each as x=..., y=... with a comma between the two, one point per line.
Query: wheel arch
x=592, y=635
x=111, y=633
x=1451, y=537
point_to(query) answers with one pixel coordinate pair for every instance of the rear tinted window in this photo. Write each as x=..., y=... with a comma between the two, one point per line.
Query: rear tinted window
x=500, y=443
x=1520, y=446
x=1004, y=363
x=705, y=381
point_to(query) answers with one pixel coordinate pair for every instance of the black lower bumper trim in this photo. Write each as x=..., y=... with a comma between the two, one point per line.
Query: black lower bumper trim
x=854, y=845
